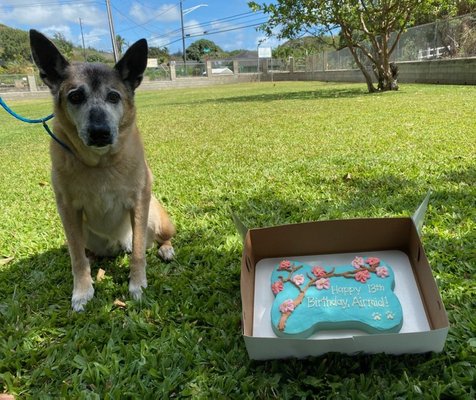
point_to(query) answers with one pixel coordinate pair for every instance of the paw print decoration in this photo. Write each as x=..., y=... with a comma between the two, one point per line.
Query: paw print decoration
x=377, y=316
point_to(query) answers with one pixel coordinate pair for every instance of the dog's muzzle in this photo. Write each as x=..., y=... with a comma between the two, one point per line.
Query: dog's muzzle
x=99, y=131
x=99, y=136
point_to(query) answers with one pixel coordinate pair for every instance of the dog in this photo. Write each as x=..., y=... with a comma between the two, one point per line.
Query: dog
x=103, y=184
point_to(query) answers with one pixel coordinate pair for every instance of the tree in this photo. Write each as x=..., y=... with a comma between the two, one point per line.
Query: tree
x=370, y=29
x=443, y=9
x=203, y=47
x=161, y=54
x=96, y=58
x=120, y=43
x=14, y=46
x=63, y=45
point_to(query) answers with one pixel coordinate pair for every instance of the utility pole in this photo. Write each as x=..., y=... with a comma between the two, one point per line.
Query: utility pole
x=111, y=30
x=183, y=35
x=82, y=37
x=182, y=13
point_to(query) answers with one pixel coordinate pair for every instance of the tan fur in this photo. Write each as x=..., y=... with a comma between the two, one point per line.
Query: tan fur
x=104, y=198
x=87, y=185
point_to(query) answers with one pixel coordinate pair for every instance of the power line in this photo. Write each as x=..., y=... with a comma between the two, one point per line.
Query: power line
x=217, y=32
x=165, y=11
x=205, y=24
x=130, y=19
x=231, y=29
x=244, y=18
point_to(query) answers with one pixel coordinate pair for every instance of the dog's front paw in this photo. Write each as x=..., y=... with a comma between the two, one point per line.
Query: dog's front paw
x=81, y=296
x=135, y=287
x=166, y=252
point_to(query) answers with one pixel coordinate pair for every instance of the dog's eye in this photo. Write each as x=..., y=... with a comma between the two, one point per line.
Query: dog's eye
x=76, y=97
x=113, y=97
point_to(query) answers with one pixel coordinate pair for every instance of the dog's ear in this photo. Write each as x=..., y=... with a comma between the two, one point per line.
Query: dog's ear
x=132, y=65
x=50, y=62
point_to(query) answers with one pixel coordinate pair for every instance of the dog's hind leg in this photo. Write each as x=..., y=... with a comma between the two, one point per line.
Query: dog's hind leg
x=160, y=229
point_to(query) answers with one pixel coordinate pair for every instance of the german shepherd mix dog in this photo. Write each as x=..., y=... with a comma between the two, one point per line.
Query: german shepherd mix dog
x=103, y=186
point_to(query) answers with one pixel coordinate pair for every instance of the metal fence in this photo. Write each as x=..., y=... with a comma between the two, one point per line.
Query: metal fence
x=190, y=69
x=443, y=39
x=160, y=73
x=448, y=38
x=20, y=83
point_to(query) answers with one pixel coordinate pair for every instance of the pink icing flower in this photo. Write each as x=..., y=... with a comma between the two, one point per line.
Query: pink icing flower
x=286, y=306
x=357, y=262
x=319, y=272
x=277, y=286
x=284, y=265
x=373, y=261
x=323, y=283
x=382, y=272
x=298, y=279
x=362, y=276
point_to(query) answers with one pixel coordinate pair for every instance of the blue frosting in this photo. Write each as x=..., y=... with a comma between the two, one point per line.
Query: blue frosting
x=332, y=298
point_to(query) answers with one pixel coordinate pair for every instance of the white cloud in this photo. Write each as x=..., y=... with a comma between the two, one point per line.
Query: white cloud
x=35, y=15
x=64, y=30
x=91, y=16
x=193, y=27
x=165, y=13
x=41, y=16
x=94, y=36
x=158, y=42
x=15, y=2
x=139, y=13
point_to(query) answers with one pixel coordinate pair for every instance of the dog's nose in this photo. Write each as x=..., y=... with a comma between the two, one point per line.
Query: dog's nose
x=99, y=136
x=99, y=131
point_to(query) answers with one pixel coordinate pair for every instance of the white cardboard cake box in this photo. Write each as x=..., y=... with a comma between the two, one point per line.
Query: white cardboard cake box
x=396, y=240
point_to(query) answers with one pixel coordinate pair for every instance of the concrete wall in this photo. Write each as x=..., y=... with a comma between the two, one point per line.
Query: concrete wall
x=450, y=71
x=199, y=81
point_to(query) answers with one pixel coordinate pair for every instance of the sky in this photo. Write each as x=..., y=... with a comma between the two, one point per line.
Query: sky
x=228, y=23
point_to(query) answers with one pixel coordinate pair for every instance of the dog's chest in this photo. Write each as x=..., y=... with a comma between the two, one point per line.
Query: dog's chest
x=103, y=191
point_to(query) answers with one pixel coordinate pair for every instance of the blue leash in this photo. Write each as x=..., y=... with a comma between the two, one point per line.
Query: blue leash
x=36, y=121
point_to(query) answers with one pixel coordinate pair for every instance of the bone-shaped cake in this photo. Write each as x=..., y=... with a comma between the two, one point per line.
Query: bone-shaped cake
x=310, y=298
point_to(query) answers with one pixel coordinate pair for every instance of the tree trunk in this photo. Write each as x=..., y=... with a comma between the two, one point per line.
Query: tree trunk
x=367, y=76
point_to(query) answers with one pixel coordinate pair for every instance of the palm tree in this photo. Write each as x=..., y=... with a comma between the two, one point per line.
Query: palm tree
x=121, y=43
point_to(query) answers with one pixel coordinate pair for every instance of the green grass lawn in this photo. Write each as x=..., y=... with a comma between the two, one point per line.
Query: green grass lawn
x=275, y=154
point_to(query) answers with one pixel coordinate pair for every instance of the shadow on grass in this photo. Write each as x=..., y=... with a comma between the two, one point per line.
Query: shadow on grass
x=319, y=93
x=263, y=97
x=338, y=198
x=36, y=281
x=44, y=281
x=358, y=196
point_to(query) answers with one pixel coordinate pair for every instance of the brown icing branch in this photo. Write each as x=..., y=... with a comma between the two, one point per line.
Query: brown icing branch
x=290, y=274
x=298, y=300
x=312, y=280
